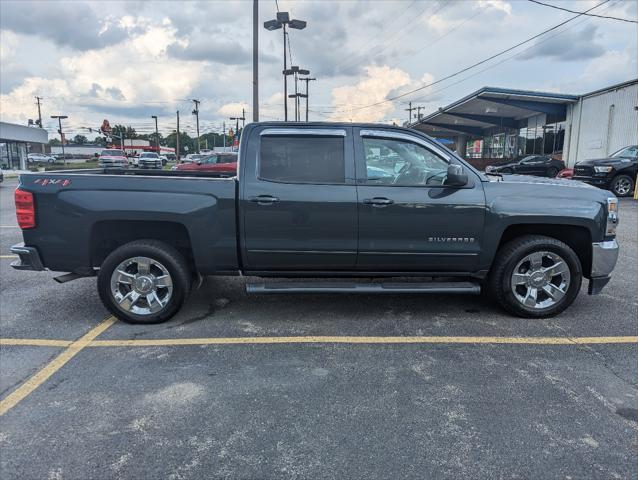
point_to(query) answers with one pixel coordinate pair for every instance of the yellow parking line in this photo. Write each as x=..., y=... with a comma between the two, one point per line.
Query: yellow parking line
x=53, y=366
x=34, y=342
x=8, y=256
x=358, y=339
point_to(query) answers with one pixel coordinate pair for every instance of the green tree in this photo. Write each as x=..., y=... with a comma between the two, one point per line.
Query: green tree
x=80, y=139
x=55, y=141
x=184, y=141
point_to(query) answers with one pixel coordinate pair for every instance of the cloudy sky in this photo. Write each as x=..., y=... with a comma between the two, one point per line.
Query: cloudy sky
x=128, y=60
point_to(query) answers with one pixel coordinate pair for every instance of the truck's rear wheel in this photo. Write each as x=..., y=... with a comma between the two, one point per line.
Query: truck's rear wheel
x=535, y=276
x=145, y=281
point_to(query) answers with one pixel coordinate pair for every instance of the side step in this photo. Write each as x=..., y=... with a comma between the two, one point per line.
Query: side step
x=471, y=288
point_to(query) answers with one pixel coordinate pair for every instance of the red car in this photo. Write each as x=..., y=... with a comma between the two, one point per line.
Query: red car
x=216, y=162
x=566, y=173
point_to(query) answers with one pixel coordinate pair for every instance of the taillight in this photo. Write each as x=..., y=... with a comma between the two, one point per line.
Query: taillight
x=25, y=209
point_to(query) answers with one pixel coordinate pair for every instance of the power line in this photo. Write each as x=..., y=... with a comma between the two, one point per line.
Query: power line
x=463, y=70
x=583, y=13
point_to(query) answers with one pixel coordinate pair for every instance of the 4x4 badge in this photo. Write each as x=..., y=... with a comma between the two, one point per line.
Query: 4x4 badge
x=64, y=182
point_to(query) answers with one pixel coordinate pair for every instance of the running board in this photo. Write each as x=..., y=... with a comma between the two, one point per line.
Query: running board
x=470, y=288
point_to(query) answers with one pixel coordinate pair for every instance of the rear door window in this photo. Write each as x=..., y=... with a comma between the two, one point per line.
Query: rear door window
x=302, y=159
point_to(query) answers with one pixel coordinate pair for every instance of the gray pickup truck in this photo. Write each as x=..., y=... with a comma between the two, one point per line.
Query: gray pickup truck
x=326, y=207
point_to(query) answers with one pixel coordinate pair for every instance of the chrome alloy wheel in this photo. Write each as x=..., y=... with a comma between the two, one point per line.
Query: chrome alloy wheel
x=623, y=186
x=141, y=285
x=540, y=280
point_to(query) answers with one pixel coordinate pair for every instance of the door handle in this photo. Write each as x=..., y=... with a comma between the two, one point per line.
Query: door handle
x=264, y=199
x=378, y=201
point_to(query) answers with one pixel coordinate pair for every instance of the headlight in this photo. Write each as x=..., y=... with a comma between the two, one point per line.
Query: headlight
x=612, y=216
x=603, y=169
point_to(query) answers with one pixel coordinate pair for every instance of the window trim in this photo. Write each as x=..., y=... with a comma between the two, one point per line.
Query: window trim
x=404, y=136
x=272, y=132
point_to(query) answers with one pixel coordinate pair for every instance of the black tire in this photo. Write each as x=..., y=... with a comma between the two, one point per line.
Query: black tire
x=507, y=258
x=552, y=172
x=168, y=257
x=621, y=181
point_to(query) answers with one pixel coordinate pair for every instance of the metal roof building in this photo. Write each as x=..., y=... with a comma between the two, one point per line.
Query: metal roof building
x=497, y=124
x=15, y=141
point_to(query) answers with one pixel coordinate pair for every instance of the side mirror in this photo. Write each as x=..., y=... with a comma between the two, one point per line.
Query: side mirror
x=456, y=177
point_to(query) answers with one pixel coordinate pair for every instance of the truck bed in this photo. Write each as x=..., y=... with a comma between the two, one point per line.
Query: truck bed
x=88, y=212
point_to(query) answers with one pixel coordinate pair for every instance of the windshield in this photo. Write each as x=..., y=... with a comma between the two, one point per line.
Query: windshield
x=148, y=155
x=627, y=152
x=113, y=153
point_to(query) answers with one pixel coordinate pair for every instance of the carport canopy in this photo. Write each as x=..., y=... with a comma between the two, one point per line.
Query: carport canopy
x=493, y=108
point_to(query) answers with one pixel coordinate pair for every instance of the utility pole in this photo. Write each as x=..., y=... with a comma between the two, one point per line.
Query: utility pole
x=196, y=113
x=243, y=119
x=224, y=134
x=409, y=110
x=39, y=112
x=154, y=117
x=307, y=80
x=237, y=119
x=255, y=61
x=60, y=118
x=418, y=113
x=177, y=141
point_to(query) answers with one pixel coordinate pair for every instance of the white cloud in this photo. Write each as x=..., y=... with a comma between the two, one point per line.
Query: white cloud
x=500, y=5
x=232, y=109
x=377, y=84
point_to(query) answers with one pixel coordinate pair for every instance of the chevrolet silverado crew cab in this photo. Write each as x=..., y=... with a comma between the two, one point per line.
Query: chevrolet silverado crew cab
x=326, y=207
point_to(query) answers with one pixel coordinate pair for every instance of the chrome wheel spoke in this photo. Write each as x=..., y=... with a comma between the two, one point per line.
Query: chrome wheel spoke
x=164, y=281
x=143, y=265
x=559, y=268
x=520, y=278
x=536, y=260
x=124, y=277
x=530, y=297
x=128, y=301
x=553, y=291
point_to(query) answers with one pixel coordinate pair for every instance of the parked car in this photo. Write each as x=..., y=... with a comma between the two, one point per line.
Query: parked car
x=191, y=157
x=302, y=205
x=163, y=159
x=40, y=157
x=171, y=157
x=149, y=160
x=566, y=173
x=216, y=162
x=539, y=165
x=112, y=158
x=616, y=172
x=1, y=175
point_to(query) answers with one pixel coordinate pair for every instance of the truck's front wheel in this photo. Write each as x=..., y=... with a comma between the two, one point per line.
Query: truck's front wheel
x=535, y=276
x=145, y=281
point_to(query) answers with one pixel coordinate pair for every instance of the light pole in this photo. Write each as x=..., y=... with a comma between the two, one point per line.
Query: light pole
x=296, y=71
x=196, y=113
x=281, y=21
x=154, y=117
x=307, y=80
x=60, y=118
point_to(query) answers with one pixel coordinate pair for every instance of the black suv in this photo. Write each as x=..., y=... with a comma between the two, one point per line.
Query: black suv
x=539, y=165
x=616, y=173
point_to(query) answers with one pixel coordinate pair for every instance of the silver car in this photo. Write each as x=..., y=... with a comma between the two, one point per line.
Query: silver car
x=149, y=160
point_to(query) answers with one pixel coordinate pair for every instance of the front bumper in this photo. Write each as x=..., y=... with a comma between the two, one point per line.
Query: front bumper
x=29, y=258
x=603, y=260
x=600, y=182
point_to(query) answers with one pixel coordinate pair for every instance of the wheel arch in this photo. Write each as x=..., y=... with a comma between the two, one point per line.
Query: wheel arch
x=577, y=237
x=108, y=235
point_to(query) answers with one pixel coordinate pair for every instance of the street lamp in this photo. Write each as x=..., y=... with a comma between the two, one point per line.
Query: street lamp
x=296, y=71
x=281, y=21
x=156, y=133
x=60, y=118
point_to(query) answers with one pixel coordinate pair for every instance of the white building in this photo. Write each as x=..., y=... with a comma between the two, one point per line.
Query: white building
x=602, y=122
x=16, y=142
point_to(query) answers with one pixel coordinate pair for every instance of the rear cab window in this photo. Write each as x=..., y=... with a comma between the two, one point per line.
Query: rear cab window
x=303, y=157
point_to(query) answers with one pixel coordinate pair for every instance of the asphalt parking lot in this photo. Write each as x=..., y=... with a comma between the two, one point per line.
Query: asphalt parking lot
x=311, y=386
